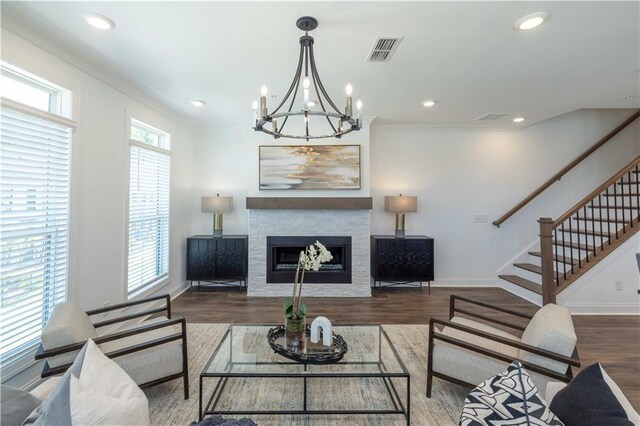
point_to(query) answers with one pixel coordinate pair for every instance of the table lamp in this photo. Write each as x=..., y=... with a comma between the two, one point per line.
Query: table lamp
x=217, y=205
x=400, y=205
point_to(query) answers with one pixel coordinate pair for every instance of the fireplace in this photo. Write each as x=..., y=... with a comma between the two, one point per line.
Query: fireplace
x=283, y=254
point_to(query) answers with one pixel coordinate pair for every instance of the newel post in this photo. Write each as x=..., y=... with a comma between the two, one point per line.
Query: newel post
x=546, y=256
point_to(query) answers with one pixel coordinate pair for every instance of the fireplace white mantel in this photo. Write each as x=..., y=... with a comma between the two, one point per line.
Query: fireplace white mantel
x=309, y=216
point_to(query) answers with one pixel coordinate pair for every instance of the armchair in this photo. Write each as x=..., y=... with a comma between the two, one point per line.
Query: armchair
x=151, y=352
x=467, y=352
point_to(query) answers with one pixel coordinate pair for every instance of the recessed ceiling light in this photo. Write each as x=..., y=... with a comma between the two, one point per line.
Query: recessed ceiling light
x=99, y=21
x=531, y=20
x=428, y=103
x=197, y=103
x=518, y=119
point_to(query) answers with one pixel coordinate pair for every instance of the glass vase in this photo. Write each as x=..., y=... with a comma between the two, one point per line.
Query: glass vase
x=294, y=336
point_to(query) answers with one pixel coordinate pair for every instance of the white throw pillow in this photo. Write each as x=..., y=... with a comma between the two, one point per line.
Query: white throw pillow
x=105, y=383
x=92, y=407
x=551, y=328
x=93, y=391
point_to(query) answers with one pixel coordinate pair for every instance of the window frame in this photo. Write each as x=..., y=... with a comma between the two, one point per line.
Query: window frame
x=143, y=120
x=67, y=102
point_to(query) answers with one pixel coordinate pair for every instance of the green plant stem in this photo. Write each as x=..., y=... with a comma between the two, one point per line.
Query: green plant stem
x=295, y=285
x=306, y=252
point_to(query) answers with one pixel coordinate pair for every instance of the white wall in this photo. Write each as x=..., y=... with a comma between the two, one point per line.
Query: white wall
x=595, y=292
x=226, y=162
x=457, y=174
x=100, y=176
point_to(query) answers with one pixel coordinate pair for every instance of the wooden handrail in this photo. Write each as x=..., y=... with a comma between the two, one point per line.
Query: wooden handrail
x=566, y=169
x=593, y=194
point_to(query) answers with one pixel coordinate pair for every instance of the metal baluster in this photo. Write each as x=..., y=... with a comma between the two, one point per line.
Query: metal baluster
x=608, y=222
x=593, y=229
x=555, y=262
x=584, y=212
x=638, y=191
x=564, y=267
x=624, y=226
x=615, y=206
x=600, y=213
x=571, y=242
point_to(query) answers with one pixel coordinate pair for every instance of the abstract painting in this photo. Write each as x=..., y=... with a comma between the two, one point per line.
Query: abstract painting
x=310, y=167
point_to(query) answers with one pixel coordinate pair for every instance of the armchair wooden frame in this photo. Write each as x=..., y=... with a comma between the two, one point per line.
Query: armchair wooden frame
x=434, y=335
x=47, y=370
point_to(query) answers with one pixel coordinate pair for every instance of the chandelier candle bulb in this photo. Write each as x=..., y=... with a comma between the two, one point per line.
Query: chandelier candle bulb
x=274, y=124
x=254, y=106
x=263, y=101
x=263, y=106
x=305, y=86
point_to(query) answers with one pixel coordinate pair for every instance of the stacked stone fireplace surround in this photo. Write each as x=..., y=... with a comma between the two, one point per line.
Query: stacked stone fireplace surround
x=265, y=222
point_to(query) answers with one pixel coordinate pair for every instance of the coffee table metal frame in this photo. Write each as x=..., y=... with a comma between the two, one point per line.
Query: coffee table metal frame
x=223, y=377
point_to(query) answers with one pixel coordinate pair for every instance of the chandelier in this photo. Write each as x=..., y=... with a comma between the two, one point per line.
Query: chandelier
x=293, y=105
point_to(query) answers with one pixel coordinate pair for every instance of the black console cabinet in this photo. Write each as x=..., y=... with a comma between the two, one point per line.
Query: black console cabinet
x=217, y=259
x=401, y=260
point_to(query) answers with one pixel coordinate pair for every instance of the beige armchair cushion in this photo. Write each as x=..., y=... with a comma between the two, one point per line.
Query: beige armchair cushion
x=469, y=366
x=68, y=324
x=149, y=364
x=551, y=328
x=473, y=367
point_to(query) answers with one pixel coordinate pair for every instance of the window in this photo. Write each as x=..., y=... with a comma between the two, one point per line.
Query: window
x=149, y=187
x=28, y=89
x=35, y=154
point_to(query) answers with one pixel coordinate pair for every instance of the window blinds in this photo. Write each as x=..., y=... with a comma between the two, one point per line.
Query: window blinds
x=149, y=187
x=34, y=228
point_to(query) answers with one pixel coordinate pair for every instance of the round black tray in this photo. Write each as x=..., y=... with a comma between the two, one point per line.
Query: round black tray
x=275, y=337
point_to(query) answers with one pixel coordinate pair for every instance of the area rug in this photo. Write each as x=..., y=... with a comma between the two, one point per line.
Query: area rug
x=167, y=406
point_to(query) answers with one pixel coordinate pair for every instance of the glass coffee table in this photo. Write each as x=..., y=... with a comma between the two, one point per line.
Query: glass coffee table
x=244, y=376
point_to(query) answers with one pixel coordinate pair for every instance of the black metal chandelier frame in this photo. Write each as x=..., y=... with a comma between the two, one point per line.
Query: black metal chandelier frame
x=345, y=122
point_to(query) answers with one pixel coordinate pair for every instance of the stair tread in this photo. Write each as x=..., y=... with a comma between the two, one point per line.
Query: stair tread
x=523, y=282
x=536, y=269
x=626, y=194
x=588, y=232
x=574, y=245
x=563, y=259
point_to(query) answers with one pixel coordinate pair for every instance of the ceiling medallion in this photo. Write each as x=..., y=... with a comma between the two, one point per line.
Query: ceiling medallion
x=340, y=122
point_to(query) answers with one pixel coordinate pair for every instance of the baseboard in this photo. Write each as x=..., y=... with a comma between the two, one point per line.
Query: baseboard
x=611, y=309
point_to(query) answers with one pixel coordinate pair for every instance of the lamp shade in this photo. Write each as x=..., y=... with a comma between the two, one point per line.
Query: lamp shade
x=401, y=204
x=217, y=204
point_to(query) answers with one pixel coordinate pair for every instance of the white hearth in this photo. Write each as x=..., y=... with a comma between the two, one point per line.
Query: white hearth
x=307, y=222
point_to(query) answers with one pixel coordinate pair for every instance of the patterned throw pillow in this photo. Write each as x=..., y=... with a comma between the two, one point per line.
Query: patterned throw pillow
x=510, y=398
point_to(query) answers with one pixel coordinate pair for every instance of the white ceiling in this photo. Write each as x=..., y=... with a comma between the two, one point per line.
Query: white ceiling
x=467, y=55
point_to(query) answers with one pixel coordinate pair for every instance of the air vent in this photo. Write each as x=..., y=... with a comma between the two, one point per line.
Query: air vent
x=383, y=49
x=491, y=116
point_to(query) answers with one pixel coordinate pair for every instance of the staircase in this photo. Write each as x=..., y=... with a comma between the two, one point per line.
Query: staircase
x=584, y=235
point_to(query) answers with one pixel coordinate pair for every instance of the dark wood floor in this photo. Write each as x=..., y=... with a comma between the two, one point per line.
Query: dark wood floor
x=611, y=340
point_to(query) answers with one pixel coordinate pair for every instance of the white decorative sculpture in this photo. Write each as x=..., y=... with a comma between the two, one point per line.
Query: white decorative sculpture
x=327, y=334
